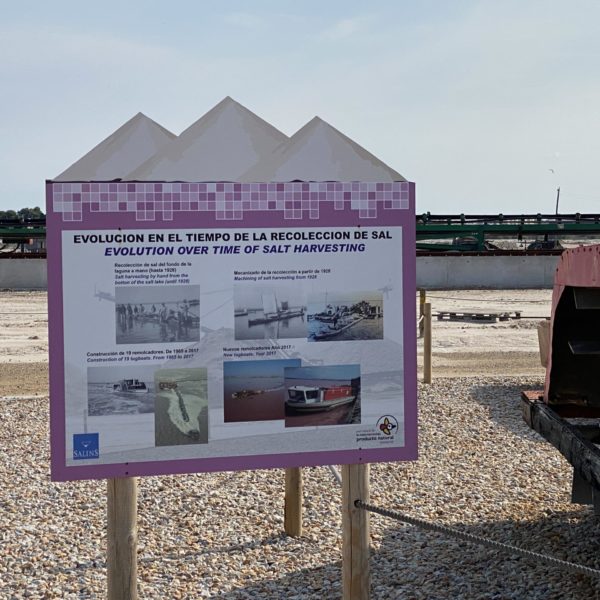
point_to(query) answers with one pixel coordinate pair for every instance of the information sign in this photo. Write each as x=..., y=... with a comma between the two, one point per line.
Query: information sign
x=219, y=326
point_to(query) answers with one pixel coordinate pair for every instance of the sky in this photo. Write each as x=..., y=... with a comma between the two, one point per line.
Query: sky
x=487, y=106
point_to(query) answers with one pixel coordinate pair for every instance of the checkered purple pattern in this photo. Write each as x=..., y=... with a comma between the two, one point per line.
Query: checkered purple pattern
x=228, y=201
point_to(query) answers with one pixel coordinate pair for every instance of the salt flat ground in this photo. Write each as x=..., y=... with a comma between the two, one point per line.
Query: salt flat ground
x=219, y=535
x=487, y=348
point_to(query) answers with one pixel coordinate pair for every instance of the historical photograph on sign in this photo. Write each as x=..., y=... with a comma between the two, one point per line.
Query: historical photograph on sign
x=155, y=314
x=254, y=389
x=322, y=395
x=120, y=390
x=181, y=406
x=334, y=316
x=269, y=312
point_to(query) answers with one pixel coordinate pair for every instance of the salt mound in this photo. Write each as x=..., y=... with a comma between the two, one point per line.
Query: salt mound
x=223, y=144
x=319, y=152
x=127, y=148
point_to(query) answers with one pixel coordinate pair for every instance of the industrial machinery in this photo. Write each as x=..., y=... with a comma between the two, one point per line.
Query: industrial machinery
x=537, y=233
x=567, y=412
x=436, y=234
x=574, y=358
x=20, y=236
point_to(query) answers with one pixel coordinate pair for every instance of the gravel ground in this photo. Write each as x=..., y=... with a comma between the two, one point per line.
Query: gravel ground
x=219, y=535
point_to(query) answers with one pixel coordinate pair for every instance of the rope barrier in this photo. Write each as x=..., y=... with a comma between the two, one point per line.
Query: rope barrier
x=336, y=474
x=469, y=537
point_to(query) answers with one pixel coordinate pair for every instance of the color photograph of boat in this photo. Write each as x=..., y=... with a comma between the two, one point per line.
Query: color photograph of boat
x=311, y=398
x=343, y=316
x=322, y=395
x=269, y=312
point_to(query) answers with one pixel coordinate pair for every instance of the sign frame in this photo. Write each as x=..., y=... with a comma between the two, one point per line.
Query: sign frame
x=151, y=206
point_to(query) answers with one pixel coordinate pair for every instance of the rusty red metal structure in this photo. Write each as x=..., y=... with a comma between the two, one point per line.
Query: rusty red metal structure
x=568, y=413
x=572, y=383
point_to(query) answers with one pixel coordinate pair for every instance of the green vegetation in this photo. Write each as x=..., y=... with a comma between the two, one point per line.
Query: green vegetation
x=23, y=214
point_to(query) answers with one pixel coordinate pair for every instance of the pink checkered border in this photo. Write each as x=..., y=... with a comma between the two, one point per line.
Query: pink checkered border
x=228, y=201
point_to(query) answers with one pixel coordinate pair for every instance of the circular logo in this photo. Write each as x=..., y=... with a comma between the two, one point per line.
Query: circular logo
x=387, y=425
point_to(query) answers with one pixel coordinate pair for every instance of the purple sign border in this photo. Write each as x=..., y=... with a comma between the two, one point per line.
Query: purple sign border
x=331, y=212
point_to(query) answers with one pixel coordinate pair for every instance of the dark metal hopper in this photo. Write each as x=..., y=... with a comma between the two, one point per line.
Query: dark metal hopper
x=573, y=371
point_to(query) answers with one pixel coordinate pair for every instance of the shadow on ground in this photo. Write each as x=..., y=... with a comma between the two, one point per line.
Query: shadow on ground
x=412, y=562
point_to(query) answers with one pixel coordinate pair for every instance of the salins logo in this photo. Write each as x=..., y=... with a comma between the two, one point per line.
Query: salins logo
x=86, y=446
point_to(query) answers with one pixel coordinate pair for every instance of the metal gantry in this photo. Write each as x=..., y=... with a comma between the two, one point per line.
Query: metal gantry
x=475, y=232
x=460, y=233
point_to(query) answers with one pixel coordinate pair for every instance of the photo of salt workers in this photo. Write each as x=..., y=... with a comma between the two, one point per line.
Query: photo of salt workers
x=157, y=314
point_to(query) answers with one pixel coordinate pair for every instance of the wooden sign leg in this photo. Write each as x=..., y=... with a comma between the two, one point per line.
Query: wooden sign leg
x=122, y=538
x=293, y=502
x=427, y=344
x=355, y=533
x=422, y=301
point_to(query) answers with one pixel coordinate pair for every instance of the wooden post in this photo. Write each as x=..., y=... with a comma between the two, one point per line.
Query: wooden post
x=422, y=300
x=355, y=533
x=122, y=538
x=293, y=502
x=427, y=343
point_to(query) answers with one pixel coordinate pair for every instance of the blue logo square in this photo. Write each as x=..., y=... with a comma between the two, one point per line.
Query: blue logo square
x=86, y=446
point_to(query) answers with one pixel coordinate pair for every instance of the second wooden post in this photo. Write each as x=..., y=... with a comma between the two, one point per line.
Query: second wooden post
x=355, y=533
x=427, y=343
x=293, y=502
x=122, y=538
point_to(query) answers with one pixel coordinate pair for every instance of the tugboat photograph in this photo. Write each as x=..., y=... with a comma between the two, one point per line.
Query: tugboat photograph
x=323, y=395
x=120, y=391
x=343, y=316
x=269, y=312
x=130, y=386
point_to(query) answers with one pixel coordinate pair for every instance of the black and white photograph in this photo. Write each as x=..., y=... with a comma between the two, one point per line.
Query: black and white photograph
x=181, y=409
x=335, y=316
x=119, y=390
x=157, y=314
x=269, y=312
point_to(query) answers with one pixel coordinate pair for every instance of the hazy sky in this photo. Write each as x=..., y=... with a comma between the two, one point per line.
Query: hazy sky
x=487, y=106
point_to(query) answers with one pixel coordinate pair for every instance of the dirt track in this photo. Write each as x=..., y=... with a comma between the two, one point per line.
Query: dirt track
x=466, y=364
x=28, y=379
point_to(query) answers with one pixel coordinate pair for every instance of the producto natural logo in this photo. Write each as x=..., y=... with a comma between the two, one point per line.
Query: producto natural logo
x=387, y=425
x=86, y=446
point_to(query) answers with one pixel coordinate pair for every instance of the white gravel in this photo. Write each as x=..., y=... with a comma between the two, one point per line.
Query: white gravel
x=220, y=535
